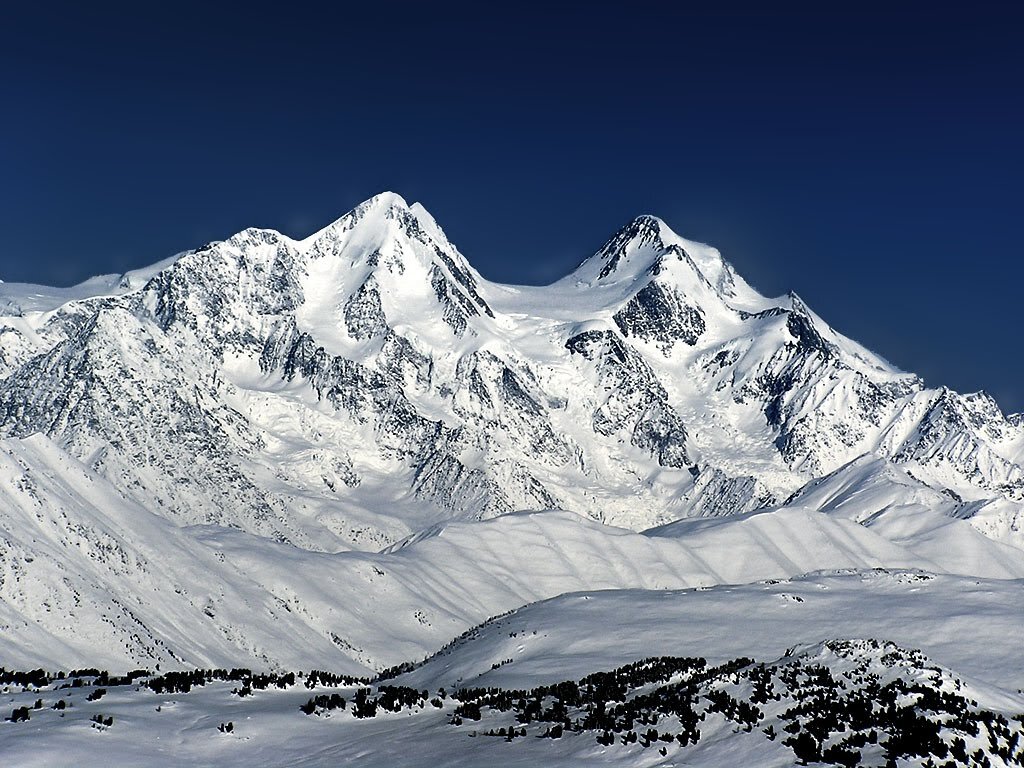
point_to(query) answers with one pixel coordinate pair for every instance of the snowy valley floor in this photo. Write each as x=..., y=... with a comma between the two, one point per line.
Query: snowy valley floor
x=806, y=697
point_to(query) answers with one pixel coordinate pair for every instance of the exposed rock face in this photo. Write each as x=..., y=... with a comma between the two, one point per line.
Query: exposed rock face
x=660, y=315
x=637, y=403
x=344, y=390
x=364, y=316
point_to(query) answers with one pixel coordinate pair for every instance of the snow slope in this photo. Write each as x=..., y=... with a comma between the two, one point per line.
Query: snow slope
x=948, y=617
x=89, y=578
x=898, y=692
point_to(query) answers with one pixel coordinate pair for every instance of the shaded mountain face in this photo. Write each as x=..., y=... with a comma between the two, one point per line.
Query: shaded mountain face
x=348, y=389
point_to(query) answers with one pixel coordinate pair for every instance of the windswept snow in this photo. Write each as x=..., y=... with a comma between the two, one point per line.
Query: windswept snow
x=27, y=299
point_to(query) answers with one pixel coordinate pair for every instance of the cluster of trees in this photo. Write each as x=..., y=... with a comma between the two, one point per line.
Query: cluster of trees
x=184, y=681
x=23, y=714
x=323, y=703
x=907, y=719
x=86, y=672
x=35, y=678
x=180, y=682
x=264, y=681
x=662, y=701
x=408, y=666
x=39, y=678
x=105, y=678
x=507, y=733
x=602, y=702
x=388, y=698
x=830, y=719
x=745, y=713
x=399, y=669
x=318, y=677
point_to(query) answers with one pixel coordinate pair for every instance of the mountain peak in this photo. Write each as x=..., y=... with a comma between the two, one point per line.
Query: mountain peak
x=384, y=205
x=392, y=260
x=647, y=246
x=637, y=244
x=627, y=255
x=384, y=201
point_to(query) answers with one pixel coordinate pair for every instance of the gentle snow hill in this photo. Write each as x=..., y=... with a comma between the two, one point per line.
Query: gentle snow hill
x=88, y=578
x=971, y=625
x=892, y=502
x=880, y=497
x=29, y=299
x=349, y=389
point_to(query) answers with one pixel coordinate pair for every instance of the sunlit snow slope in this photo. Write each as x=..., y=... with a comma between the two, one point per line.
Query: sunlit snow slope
x=950, y=618
x=90, y=578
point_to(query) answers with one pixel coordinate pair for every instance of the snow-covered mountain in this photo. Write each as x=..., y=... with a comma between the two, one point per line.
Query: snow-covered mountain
x=346, y=390
x=343, y=452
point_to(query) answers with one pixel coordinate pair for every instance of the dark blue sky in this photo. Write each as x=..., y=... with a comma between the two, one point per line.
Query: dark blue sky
x=870, y=160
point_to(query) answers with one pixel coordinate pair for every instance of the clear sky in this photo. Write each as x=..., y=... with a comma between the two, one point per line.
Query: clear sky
x=869, y=159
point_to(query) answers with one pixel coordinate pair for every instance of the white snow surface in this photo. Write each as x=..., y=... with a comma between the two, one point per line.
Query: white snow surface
x=30, y=299
x=561, y=639
x=91, y=578
x=948, y=617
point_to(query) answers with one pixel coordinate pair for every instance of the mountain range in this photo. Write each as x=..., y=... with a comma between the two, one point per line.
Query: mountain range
x=345, y=390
